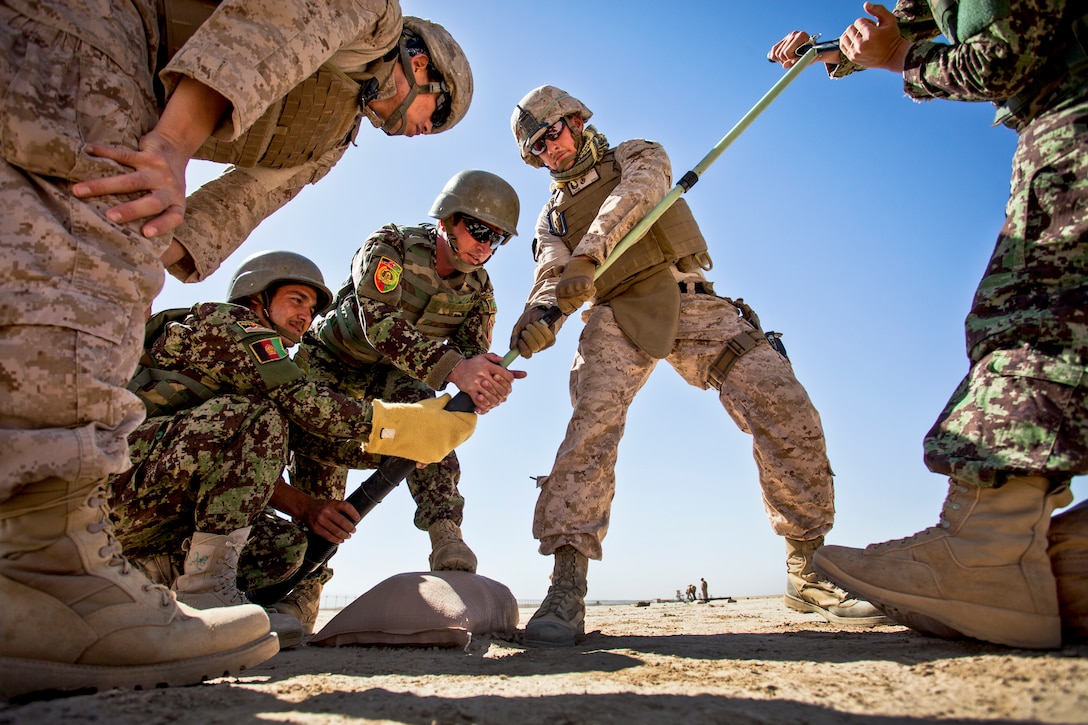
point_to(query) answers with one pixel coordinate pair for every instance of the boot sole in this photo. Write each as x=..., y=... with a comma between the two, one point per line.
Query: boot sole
x=979, y=621
x=20, y=678
x=801, y=605
x=553, y=636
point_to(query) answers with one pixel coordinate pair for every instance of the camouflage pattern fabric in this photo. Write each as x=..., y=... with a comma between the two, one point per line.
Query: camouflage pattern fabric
x=395, y=303
x=761, y=395
x=222, y=213
x=1021, y=410
x=214, y=467
x=210, y=469
x=76, y=285
x=321, y=470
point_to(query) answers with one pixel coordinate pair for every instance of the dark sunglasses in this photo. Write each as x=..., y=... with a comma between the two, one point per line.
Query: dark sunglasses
x=483, y=233
x=554, y=131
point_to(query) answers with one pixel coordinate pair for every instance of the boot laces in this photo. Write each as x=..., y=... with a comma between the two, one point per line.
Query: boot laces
x=112, y=551
x=943, y=524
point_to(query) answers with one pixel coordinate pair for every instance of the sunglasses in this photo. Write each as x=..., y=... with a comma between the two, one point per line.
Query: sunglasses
x=554, y=131
x=483, y=233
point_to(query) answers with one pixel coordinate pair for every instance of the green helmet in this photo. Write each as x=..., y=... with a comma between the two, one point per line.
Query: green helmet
x=260, y=271
x=448, y=62
x=481, y=195
x=540, y=108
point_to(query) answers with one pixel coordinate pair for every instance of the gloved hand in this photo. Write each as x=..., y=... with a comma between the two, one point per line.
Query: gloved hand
x=421, y=432
x=531, y=334
x=575, y=284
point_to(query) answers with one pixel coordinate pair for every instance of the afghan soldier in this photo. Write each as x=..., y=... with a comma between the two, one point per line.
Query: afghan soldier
x=416, y=314
x=653, y=303
x=1015, y=431
x=92, y=182
x=221, y=394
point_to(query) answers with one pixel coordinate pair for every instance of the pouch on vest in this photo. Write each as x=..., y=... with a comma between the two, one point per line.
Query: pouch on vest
x=648, y=312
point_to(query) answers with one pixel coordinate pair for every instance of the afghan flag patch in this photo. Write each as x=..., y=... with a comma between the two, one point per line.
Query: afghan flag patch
x=268, y=350
x=387, y=275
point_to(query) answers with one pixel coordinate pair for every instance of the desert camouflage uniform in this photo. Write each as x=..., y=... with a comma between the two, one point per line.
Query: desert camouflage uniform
x=212, y=467
x=396, y=332
x=1023, y=407
x=74, y=285
x=760, y=393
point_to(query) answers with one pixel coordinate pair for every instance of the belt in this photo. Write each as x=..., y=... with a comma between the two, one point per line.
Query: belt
x=698, y=288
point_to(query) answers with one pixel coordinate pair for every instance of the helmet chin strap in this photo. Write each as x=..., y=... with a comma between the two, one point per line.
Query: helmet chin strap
x=398, y=121
x=266, y=318
x=459, y=264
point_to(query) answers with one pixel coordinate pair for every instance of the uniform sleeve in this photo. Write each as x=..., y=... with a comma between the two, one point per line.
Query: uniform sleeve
x=322, y=411
x=551, y=255
x=221, y=214
x=645, y=179
x=991, y=65
x=376, y=271
x=254, y=51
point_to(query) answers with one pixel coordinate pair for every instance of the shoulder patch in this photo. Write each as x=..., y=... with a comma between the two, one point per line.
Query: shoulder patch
x=249, y=326
x=387, y=275
x=268, y=350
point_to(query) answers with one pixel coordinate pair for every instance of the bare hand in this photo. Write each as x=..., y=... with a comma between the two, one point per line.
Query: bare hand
x=485, y=380
x=876, y=44
x=785, y=50
x=157, y=168
x=331, y=520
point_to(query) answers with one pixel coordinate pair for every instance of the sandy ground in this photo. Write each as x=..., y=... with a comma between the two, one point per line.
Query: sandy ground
x=748, y=661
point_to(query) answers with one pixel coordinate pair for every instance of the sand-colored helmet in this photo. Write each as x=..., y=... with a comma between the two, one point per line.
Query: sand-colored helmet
x=262, y=270
x=540, y=108
x=482, y=195
x=448, y=61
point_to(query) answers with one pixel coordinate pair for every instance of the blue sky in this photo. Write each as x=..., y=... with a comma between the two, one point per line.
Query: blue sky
x=852, y=219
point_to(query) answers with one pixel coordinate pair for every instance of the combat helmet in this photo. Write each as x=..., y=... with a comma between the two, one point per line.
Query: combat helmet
x=540, y=108
x=481, y=195
x=448, y=64
x=263, y=270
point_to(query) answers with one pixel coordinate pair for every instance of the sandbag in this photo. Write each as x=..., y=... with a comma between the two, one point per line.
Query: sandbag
x=433, y=609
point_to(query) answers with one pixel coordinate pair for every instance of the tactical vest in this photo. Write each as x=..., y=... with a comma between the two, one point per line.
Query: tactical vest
x=425, y=301
x=674, y=239
x=314, y=117
x=639, y=285
x=167, y=392
x=959, y=20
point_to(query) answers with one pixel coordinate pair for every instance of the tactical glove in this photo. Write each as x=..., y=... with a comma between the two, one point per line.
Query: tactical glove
x=421, y=432
x=530, y=333
x=575, y=284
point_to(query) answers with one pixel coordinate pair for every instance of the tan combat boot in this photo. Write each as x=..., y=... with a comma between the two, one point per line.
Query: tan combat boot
x=303, y=603
x=561, y=618
x=449, y=552
x=78, y=616
x=807, y=591
x=1068, y=552
x=983, y=571
x=159, y=568
x=210, y=580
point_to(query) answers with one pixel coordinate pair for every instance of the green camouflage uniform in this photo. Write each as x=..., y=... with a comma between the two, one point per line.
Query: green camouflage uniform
x=396, y=332
x=213, y=463
x=1021, y=410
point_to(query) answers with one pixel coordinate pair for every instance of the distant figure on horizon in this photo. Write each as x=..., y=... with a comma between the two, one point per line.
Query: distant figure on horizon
x=702, y=582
